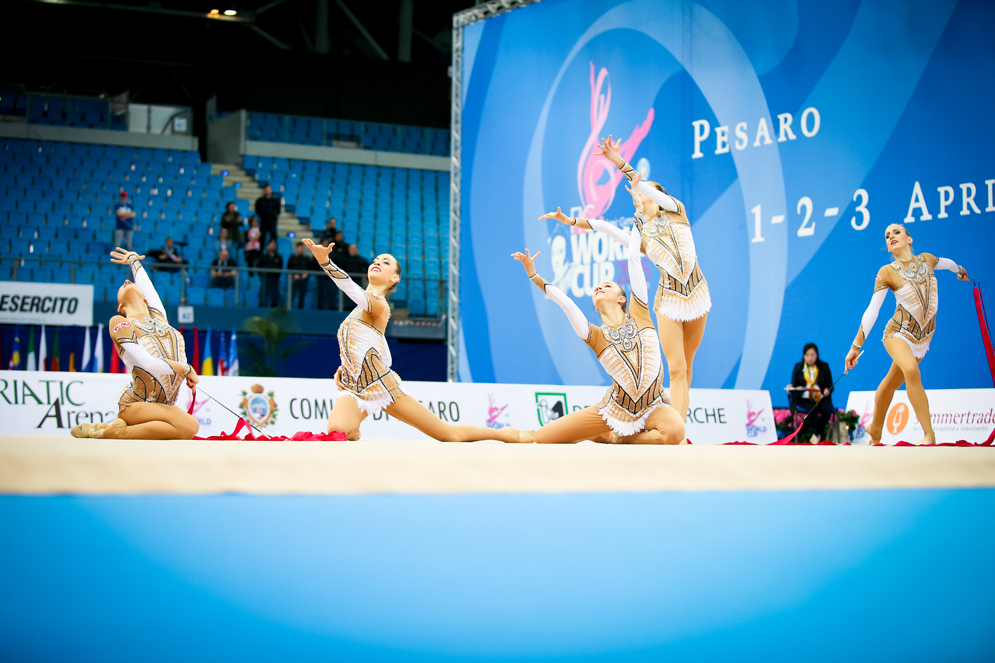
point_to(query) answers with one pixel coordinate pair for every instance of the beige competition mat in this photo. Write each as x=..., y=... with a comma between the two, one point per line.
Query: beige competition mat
x=41, y=465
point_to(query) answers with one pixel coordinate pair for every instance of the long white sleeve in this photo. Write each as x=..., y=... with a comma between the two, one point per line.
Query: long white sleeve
x=614, y=232
x=637, y=279
x=352, y=289
x=871, y=314
x=946, y=263
x=144, y=283
x=659, y=197
x=577, y=318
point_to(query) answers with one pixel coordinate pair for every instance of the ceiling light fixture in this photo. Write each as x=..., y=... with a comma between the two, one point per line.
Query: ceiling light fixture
x=213, y=12
x=230, y=12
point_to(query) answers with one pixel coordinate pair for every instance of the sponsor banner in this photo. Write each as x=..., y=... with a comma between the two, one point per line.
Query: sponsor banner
x=26, y=303
x=46, y=403
x=957, y=414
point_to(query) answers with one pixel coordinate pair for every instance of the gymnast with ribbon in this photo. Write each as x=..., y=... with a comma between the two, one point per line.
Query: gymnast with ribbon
x=907, y=335
x=154, y=354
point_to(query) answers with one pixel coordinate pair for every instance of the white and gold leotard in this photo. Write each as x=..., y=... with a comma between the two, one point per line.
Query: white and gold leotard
x=630, y=353
x=152, y=341
x=667, y=241
x=363, y=348
x=917, y=301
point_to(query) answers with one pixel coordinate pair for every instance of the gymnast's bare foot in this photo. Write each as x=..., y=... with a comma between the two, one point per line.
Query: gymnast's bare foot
x=605, y=438
x=90, y=430
x=927, y=442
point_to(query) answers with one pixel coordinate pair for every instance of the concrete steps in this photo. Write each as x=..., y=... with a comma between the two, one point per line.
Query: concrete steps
x=249, y=189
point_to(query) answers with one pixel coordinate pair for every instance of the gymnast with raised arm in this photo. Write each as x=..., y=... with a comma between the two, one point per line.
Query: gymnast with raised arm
x=365, y=374
x=155, y=356
x=907, y=335
x=682, y=299
x=636, y=409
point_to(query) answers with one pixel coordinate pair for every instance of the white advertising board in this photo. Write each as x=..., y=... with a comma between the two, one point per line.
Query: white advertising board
x=25, y=303
x=46, y=403
x=957, y=414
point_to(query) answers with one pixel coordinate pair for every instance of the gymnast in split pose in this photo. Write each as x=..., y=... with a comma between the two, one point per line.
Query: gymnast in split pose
x=636, y=409
x=682, y=299
x=155, y=356
x=365, y=373
x=907, y=335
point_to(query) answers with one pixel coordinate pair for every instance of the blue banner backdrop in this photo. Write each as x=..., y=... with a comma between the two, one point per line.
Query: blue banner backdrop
x=793, y=131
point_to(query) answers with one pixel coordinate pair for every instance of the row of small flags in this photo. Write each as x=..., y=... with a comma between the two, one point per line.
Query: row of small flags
x=227, y=363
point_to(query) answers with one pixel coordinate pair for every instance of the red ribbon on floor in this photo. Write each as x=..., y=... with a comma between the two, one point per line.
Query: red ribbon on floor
x=302, y=436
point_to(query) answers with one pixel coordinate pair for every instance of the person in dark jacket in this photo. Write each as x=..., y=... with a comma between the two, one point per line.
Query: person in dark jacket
x=231, y=221
x=811, y=389
x=298, y=282
x=268, y=210
x=271, y=280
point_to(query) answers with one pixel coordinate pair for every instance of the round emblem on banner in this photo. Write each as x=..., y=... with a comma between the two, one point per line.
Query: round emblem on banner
x=258, y=408
x=898, y=418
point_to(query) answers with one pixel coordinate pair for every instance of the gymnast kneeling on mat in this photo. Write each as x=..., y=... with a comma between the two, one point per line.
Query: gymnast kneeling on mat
x=636, y=409
x=365, y=374
x=155, y=356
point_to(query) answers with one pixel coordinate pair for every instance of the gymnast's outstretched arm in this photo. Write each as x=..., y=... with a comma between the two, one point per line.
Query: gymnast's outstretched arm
x=946, y=263
x=609, y=150
x=637, y=279
x=614, y=232
x=578, y=320
x=881, y=287
x=142, y=280
x=353, y=290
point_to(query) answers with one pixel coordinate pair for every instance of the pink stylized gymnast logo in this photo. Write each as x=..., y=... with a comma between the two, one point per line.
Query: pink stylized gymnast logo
x=753, y=429
x=493, y=412
x=597, y=197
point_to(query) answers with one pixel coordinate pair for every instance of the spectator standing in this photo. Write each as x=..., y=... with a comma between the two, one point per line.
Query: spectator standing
x=252, y=246
x=223, y=271
x=354, y=263
x=330, y=229
x=340, y=249
x=271, y=280
x=124, y=229
x=268, y=210
x=169, y=256
x=326, y=288
x=224, y=243
x=231, y=221
x=299, y=282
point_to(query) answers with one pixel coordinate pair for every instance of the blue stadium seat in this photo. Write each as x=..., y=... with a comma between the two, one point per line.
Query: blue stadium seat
x=251, y=299
x=416, y=306
x=196, y=296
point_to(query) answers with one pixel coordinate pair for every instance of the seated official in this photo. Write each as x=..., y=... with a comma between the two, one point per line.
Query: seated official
x=223, y=271
x=812, y=382
x=169, y=256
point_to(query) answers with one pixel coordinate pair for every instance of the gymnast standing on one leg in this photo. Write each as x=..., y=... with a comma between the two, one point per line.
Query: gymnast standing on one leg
x=907, y=335
x=636, y=408
x=682, y=299
x=365, y=373
x=155, y=356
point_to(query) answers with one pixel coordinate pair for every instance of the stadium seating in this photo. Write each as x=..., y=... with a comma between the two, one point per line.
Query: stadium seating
x=58, y=201
x=63, y=111
x=372, y=136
